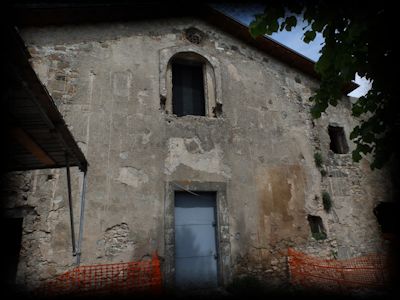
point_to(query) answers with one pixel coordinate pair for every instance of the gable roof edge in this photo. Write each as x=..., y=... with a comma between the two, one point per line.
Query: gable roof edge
x=51, y=14
x=267, y=45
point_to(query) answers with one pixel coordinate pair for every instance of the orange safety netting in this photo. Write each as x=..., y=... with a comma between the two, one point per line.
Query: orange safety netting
x=370, y=271
x=119, y=278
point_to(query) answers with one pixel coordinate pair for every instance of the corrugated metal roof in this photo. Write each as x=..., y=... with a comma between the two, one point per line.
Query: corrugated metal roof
x=37, y=136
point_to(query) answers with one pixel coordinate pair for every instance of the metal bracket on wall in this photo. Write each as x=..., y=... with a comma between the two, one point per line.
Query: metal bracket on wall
x=181, y=187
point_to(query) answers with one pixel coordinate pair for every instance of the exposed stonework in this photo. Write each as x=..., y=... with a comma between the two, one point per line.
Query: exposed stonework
x=116, y=240
x=46, y=244
x=105, y=79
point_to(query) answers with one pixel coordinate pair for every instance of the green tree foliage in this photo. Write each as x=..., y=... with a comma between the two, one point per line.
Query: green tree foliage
x=359, y=38
x=326, y=201
x=318, y=159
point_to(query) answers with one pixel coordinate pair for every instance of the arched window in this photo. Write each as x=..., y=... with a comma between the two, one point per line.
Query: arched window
x=188, y=90
x=188, y=84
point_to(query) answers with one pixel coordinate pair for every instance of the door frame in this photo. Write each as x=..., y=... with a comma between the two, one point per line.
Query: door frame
x=222, y=229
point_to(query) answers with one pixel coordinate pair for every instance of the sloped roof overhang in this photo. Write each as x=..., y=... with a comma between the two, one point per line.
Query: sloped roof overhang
x=37, y=136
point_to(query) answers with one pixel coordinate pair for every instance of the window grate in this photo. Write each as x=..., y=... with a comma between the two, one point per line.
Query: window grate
x=194, y=36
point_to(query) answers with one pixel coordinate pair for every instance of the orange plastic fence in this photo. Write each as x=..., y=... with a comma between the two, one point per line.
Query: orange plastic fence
x=369, y=271
x=120, y=278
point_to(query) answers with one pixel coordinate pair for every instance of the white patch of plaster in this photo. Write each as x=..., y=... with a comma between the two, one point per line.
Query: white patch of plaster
x=83, y=147
x=171, y=36
x=292, y=200
x=235, y=117
x=302, y=143
x=123, y=155
x=217, y=47
x=42, y=69
x=121, y=82
x=56, y=174
x=58, y=199
x=233, y=72
x=206, y=161
x=100, y=52
x=141, y=95
x=132, y=176
x=146, y=138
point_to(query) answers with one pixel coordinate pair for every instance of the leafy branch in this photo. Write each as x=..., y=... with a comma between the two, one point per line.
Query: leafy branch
x=356, y=40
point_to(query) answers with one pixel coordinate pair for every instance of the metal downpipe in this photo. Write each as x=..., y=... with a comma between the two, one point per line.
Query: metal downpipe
x=81, y=219
x=71, y=214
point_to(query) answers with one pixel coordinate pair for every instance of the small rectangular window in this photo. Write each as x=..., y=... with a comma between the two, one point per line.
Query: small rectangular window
x=338, y=140
x=317, y=228
x=187, y=89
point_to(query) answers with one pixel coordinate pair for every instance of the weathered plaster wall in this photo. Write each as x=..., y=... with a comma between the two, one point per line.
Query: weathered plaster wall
x=105, y=81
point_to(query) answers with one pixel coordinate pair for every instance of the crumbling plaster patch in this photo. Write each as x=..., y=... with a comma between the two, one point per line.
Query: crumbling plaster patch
x=115, y=240
x=189, y=152
x=132, y=176
x=121, y=83
x=234, y=72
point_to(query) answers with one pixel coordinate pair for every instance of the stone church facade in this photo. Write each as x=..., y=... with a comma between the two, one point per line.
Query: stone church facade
x=252, y=144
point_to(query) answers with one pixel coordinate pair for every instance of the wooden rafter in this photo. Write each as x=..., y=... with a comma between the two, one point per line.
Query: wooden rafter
x=19, y=135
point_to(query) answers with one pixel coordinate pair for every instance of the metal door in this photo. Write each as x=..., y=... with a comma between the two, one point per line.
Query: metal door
x=195, y=240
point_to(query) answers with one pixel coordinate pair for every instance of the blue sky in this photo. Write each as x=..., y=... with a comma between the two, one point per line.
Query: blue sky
x=244, y=13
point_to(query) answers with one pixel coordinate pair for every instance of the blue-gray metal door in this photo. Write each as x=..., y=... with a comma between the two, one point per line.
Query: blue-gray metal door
x=195, y=240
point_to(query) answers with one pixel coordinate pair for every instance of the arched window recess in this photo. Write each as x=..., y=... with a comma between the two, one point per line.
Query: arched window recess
x=191, y=85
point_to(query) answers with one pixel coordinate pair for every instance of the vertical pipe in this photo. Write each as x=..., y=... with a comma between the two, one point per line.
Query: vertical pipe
x=78, y=254
x=71, y=214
